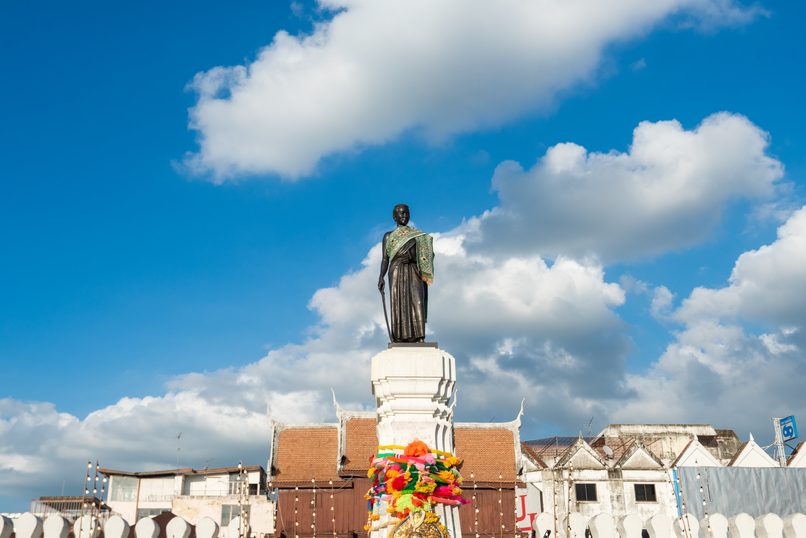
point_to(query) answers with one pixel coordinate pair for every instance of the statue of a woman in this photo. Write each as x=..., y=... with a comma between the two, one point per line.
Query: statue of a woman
x=408, y=255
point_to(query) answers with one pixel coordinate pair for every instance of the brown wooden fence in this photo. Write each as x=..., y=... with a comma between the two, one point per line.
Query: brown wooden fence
x=349, y=509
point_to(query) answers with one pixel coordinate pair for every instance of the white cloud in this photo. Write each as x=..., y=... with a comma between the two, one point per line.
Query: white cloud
x=667, y=192
x=637, y=66
x=716, y=371
x=41, y=446
x=509, y=306
x=661, y=302
x=519, y=325
x=378, y=69
x=766, y=285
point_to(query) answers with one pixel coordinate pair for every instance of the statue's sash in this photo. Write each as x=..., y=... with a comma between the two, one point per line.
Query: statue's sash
x=425, y=249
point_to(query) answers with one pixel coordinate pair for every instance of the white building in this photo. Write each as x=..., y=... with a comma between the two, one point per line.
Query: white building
x=219, y=494
x=630, y=468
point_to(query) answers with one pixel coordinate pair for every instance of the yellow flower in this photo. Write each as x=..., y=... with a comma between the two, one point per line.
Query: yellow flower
x=391, y=473
x=447, y=476
x=457, y=491
x=425, y=487
x=452, y=461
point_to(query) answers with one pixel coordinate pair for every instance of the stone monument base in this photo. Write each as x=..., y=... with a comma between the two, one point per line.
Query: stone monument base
x=412, y=384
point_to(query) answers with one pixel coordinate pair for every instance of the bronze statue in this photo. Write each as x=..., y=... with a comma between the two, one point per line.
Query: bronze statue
x=408, y=255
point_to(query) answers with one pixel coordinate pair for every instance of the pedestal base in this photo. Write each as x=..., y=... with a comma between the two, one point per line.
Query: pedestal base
x=412, y=385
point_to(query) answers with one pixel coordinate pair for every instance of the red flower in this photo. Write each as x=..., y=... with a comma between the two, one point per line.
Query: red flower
x=399, y=482
x=416, y=448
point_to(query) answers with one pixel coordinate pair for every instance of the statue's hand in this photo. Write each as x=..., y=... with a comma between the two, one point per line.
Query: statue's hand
x=381, y=284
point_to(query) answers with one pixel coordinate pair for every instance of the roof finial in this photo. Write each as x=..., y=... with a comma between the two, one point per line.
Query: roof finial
x=520, y=413
x=751, y=437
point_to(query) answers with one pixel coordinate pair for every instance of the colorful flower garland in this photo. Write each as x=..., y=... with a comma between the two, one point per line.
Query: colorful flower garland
x=414, y=481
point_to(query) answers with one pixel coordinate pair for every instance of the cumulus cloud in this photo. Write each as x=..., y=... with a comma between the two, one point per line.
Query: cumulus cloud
x=668, y=191
x=41, y=447
x=378, y=69
x=520, y=324
x=717, y=368
x=766, y=285
x=512, y=323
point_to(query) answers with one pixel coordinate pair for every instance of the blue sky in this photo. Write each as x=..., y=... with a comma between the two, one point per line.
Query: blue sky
x=162, y=279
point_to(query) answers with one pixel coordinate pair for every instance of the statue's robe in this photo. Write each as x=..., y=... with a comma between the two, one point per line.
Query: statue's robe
x=410, y=269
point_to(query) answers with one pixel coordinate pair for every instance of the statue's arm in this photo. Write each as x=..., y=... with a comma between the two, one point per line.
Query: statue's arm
x=384, y=262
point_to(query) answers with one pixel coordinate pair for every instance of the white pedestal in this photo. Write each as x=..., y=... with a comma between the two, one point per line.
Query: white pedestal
x=412, y=385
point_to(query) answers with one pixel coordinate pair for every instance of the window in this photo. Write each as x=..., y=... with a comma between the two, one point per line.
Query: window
x=124, y=488
x=234, y=484
x=645, y=493
x=230, y=512
x=150, y=512
x=586, y=492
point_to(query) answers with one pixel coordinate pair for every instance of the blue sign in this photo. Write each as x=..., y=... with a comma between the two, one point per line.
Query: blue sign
x=789, y=428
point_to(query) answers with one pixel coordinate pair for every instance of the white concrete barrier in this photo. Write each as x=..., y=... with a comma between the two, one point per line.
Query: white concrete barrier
x=742, y=526
x=146, y=528
x=718, y=524
x=602, y=526
x=686, y=527
x=207, y=528
x=659, y=526
x=85, y=527
x=116, y=527
x=629, y=526
x=578, y=524
x=795, y=526
x=6, y=527
x=541, y=523
x=29, y=526
x=56, y=527
x=234, y=530
x=177, y=528
x=770, y=526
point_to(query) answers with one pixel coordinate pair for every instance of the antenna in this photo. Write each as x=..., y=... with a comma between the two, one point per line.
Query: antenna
x=178, y=449
x=207, y=463
x=588, y=425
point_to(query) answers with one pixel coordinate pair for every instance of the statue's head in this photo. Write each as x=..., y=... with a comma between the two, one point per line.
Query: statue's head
x=401, y=214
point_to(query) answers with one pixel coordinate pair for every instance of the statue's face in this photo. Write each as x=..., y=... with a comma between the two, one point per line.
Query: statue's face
x=402, y=216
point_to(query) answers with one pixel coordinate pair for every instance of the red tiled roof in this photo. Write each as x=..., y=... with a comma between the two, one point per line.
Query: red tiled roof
x=487, y=453
x=737, y=453
x=361, y=443
x=794, y=452
x=619, y=446
x=305, y=453
x=180, y=471
x=534, y=455
x=674, y=463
